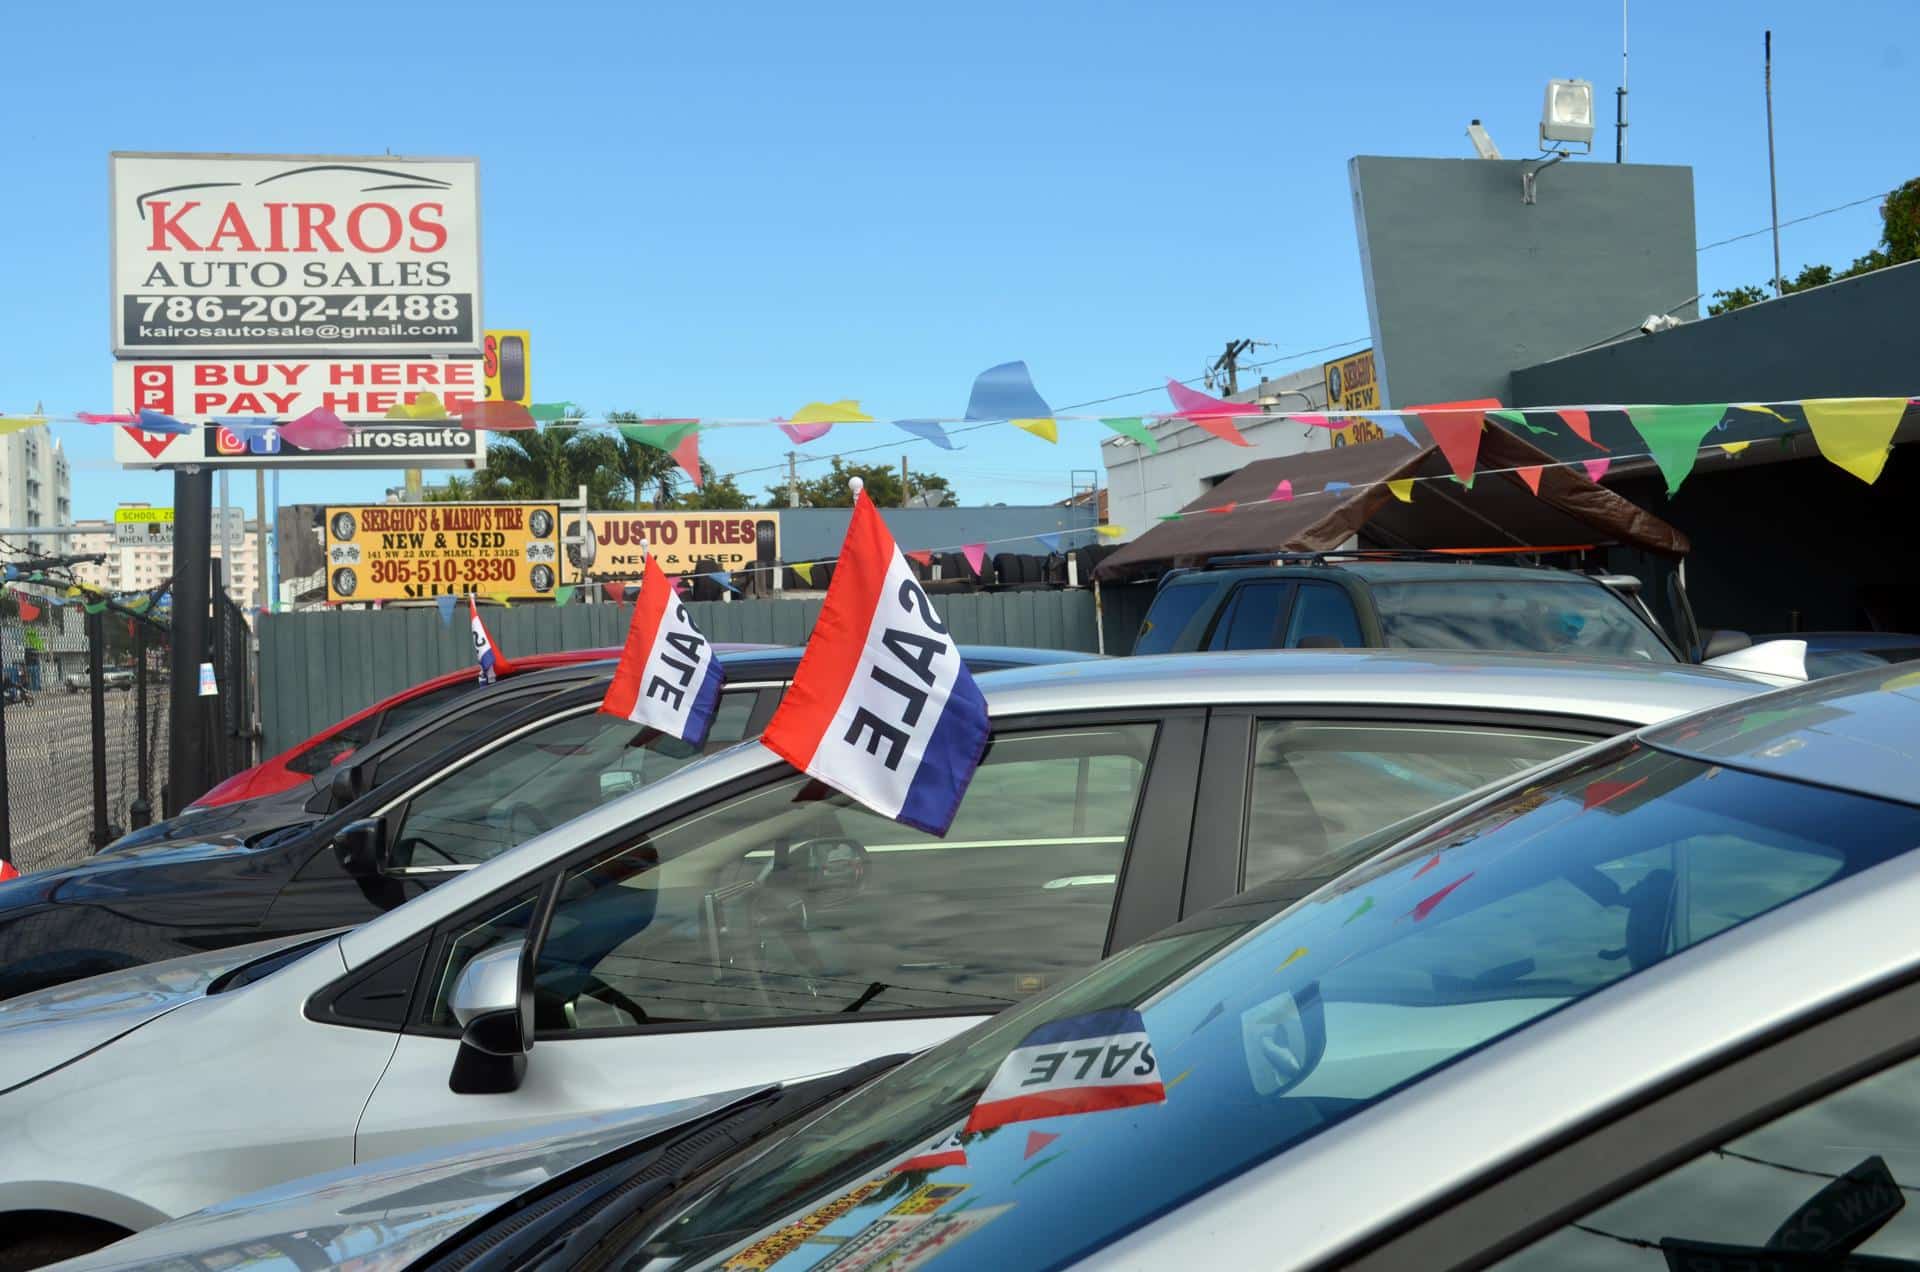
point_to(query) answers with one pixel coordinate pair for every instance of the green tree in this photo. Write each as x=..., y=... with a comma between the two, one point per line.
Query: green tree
x=1899, y=243
x=550, y=463
x=716, y=493
x=832, y=489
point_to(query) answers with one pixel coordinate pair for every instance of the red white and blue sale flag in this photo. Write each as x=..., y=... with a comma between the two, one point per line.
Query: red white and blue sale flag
x=1083, y=1064
x=945, y=1151
x=493, y=664
x=881, y=706
x=668, y=678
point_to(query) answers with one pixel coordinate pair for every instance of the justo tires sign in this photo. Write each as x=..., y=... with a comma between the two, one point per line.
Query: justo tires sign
x=271, y=255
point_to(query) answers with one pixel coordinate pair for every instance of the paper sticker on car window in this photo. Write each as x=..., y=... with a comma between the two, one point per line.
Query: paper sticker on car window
x=1083, y=1064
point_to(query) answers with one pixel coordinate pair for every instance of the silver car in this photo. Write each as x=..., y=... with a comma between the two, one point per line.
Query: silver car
x=738, y=924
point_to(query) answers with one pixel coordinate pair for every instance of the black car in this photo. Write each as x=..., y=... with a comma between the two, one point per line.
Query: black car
x=163, y=899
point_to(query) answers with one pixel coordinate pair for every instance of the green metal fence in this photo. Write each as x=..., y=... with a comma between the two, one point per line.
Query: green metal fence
x=317, y=667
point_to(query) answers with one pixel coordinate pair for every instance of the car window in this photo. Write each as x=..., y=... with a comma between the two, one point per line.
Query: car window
x=403, y=715
x=450, y=728
x=792, y=900
x=544, y=777
x=324, y=753
x=1455, y=939
x=1316, y=785
x=1824, y=1186
x=1323, y=616
x=1252, y=617
x=1549, y=616
x=1172, y=609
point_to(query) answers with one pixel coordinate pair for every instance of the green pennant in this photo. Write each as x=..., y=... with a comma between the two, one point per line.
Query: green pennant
x=660, y=436
x=1365, y=905
x=34, y=640
x=95, y=607
x=1674, y=434
x=1173, y=516
x=1520, y=418
x=563, y=594
x=550, y=411
x=1135, y=427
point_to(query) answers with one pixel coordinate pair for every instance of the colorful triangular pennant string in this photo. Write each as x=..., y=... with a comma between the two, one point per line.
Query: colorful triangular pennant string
x=1855, y=433
x=1335, y=487
x=317, y=430
x=1402, y=488
x=445, y=605
x=1044, y=429
x=160, y=422
x=1135, y=427
x=616, y=592
x=1530, y=473
x=425, y=406
x=495, y=417
x=1210, y=413
x=679, y=438
x=1006, y=392
x=927, y=430
x=1674, y=433
x=1222, y=509
x=1582, y=427
x=1390, y=423
x=1110, y=532
x=29, y=612
x=1457, y=433
x=804, y=571
x=552, y=412
x=1596, y=468
x=844, y=411
x=976, y=554
x=1052, y=542
x=94, y=417
x=1284, y=491
x=804, y=433
x=14, y=423
x=1520, y=419
x=563, y=594
x=1734, y=448
x=920, y=556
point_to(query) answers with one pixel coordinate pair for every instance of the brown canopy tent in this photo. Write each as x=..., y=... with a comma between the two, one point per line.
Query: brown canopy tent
x=1497, y=512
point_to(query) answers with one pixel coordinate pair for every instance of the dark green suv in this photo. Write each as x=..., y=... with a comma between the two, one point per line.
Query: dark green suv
x=1328, y=600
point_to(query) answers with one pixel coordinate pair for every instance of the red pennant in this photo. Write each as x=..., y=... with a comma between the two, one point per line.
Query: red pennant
x=1038, y=1140
x=920, y=556
x=1605, y=792
x=28, y=610
x=687, y=455
x=1224, y=508
x=1431, y=863
x=7, y=871
x=1458, y=435
x=498, y=417
x=1426, y=907
x=1218, y=417
x=616, y=592
x=1577, y=421
x=1530, y=473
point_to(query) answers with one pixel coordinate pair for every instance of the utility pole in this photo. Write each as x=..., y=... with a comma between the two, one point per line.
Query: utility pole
x=793, y=481
x=260, y=536
x=903, y=481
x=1620, y=95
x=1773, y=187
x=1228, y=364
x=187, y=751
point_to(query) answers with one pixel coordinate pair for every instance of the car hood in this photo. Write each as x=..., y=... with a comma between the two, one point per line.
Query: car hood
x=44, y=1030
x=391, y=1212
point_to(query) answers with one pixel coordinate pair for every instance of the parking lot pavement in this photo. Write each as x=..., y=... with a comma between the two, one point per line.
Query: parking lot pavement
x=50, y=772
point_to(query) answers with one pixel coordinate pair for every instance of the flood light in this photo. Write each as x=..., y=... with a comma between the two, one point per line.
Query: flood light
x=1567, y=114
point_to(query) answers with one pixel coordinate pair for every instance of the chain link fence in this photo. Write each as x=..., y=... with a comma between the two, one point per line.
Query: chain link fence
x=83, y=753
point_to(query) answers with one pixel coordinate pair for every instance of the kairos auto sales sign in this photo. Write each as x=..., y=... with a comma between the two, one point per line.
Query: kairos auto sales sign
x=274, y=255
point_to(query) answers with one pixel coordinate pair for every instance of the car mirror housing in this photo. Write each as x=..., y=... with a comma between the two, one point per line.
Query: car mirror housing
x=1721, y=643
x=345, y=786
x=361, y=847
x=493, y=1004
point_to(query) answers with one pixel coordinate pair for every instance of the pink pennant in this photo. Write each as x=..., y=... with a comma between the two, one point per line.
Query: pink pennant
x=1431, y=863
x=1577, y=421
x=1427, y=907
x=679, y=586
x=1210, y=413
x=1530, y=473
x=804, y=433
x=1319, y=421
x=317, y=430
x=1284, y=491
x=1596, y=468
x=91, y=417
x=497, y=417
x=976, y=554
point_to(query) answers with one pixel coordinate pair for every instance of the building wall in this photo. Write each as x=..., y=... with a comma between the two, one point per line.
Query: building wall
x=1464, y=282
x=36, y=486
x=131, y=568
x=1143, y=486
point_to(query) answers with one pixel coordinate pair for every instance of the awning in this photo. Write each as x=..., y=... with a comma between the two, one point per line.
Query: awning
x=1499, y=511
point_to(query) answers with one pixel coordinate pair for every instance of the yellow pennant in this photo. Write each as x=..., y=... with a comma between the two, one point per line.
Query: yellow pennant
x=1300, y=952
x=14, y=423
x=1855, y=433
x=845, y=411
x=1045, y=429
x=427, y=406
x=1734, y=448
x=805, y=570
x=1109, y=532
x=1402, y=489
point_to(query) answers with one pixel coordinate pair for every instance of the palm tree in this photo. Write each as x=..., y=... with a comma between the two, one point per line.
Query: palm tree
x=552, y=463
x=649, y=473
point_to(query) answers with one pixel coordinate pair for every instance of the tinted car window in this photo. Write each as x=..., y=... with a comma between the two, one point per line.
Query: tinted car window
x=1819, y=1187
x=1173, y=608
x=1252, y=617
x=1323, y=616
x=1458, y=938
x=449, y=729
x=795, y=901
x=1548, y=616
x=330, y=750
x=402, y=715
x=1317, y=785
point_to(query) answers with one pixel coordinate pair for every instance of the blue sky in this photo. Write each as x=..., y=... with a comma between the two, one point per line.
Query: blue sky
x=731, y=210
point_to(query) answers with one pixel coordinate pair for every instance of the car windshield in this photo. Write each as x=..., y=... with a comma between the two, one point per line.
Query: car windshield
x=1112, y=1102
x=1168, y=616
x=1547, y=616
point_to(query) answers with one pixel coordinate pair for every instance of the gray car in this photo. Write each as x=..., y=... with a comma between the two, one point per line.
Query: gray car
x=737, y=924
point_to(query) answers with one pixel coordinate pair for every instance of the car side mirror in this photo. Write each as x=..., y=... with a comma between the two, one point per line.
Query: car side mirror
x=834, y=870
x=493, y=1004
x=361, y=847
x=1720, y=644
x=346, y=785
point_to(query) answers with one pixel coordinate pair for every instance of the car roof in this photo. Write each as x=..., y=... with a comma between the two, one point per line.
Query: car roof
x=1857, y=732
x=1391, y=572
x=1626, y=693
x=1629, y=691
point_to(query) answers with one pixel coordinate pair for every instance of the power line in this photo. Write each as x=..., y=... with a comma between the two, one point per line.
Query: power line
x=1811, y=216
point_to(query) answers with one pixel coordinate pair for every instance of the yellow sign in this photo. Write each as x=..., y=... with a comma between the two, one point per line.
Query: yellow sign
x=731, y=541
x=122, y=516
x=1352, y=386
x=778, y=1244
x=506, y=367
x=391, y=552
